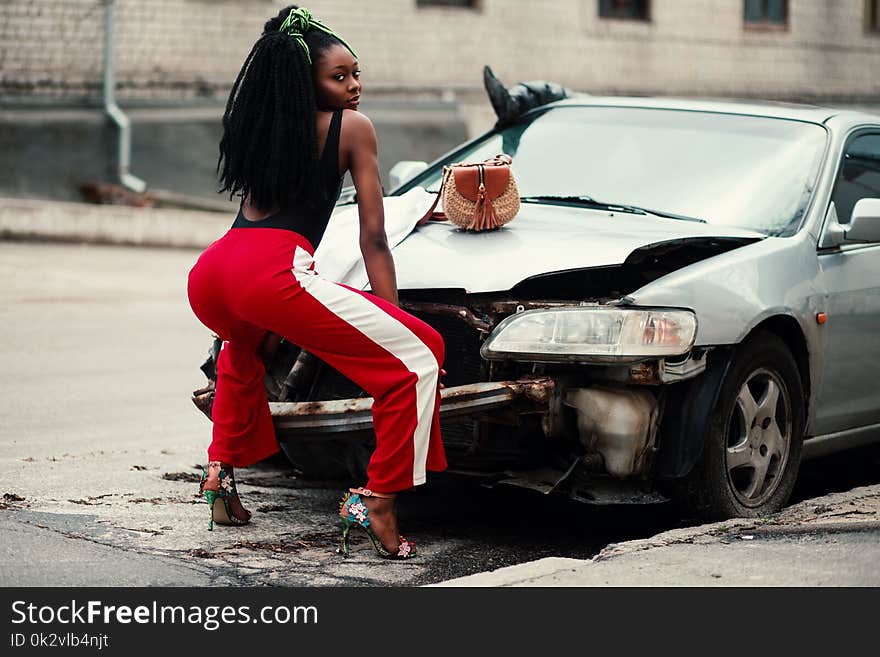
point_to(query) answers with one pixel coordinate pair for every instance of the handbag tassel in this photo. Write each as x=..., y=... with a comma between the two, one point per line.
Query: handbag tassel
x=484, y=213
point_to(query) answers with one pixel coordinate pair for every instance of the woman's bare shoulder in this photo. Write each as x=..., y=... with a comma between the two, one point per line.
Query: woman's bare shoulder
x=357, y=140
x=357, y=126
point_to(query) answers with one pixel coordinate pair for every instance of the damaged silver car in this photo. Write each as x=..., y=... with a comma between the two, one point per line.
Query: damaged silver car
x=687, y=304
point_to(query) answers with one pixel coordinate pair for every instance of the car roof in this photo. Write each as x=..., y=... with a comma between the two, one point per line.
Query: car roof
x=771, y=109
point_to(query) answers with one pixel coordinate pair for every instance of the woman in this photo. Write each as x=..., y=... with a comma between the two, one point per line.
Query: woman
x=291, y=131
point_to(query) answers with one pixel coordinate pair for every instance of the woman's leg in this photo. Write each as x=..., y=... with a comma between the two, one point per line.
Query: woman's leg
x=393, y=356
x=242, y=431
x=399, y=459
x=388, y=470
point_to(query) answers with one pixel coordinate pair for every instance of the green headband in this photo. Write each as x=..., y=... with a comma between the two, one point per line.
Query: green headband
x=300, y=21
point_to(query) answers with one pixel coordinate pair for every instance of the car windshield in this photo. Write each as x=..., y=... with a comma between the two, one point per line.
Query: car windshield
x=746, y=171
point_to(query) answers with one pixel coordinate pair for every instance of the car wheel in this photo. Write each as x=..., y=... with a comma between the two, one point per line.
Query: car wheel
x=318, y=459
x=332, y=460
x=752, y=452
x=358, y=458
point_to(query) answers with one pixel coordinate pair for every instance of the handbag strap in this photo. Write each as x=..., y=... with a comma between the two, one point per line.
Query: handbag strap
x=430, y=215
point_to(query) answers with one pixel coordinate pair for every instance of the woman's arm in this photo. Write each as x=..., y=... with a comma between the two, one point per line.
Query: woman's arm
x=360, y=146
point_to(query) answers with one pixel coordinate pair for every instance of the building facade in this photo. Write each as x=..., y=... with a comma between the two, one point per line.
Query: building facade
x=422, y=64
x=789, y=49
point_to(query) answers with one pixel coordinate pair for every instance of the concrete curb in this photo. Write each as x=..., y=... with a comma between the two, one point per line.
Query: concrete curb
x=851, y=511
x=110, y=224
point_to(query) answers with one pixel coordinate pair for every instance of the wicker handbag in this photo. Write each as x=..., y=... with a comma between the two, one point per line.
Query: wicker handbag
x=477, y=196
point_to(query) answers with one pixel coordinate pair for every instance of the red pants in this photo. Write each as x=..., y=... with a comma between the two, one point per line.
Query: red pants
x=254, y=280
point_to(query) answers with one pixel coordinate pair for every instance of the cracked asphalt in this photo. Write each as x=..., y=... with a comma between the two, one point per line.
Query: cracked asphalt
x=100, y=449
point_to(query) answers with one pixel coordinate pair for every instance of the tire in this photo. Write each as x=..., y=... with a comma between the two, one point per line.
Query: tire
x=323, y=460
x=752, y=452
x=329, y=460
x=358, y=455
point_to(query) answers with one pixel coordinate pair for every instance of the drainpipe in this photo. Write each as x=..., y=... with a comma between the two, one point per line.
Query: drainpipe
x=113, y=111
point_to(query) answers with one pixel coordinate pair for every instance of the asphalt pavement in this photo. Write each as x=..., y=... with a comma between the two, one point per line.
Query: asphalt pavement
x=99, y=449
x=832, y=540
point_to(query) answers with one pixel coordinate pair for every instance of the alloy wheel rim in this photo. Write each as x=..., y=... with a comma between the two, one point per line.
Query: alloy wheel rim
x=758, y=438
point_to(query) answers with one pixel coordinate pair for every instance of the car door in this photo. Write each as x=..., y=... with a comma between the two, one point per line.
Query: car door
x=849, y=394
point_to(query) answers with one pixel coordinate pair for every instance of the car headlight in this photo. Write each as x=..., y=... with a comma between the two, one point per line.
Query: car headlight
x=591, y=334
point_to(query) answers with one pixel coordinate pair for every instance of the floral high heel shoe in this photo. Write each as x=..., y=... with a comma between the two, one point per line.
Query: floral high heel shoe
x=220, y=500
x=354, y=513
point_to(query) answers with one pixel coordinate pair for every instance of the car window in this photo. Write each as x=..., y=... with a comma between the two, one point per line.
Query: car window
x=748, y=171
x=859, y=175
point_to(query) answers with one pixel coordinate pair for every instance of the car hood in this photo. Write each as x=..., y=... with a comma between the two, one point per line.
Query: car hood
x=541, y=239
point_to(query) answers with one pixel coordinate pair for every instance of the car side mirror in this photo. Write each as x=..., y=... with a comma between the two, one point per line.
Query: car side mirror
x=404, y=170
x=834, y=233
x=864, y=226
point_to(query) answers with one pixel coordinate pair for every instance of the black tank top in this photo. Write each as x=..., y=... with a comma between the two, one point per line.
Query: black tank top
x=310, y=219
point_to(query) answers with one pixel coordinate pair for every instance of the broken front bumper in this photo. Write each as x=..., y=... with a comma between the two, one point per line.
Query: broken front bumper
x=616, y=424
x=293, y=419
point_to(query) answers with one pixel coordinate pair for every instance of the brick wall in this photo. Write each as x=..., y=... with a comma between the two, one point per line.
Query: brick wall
x=185, y=48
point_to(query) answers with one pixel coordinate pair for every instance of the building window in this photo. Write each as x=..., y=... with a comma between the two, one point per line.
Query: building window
x=632, y=9
x=766, y=14
x=872, y=15
x=466, y=4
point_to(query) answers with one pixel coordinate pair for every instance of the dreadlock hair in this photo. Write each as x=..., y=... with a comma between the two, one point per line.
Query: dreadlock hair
x=269, y=148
